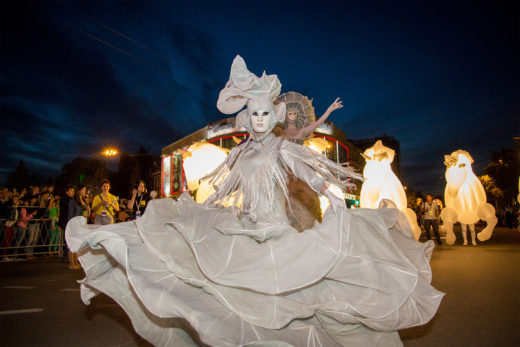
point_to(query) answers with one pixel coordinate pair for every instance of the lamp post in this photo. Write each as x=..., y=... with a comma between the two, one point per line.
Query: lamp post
x=110, y=152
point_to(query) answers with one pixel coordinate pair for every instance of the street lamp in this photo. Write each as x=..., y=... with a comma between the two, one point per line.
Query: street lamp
x=110, y=152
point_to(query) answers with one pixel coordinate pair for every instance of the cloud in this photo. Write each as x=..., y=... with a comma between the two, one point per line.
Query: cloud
x=62, y=98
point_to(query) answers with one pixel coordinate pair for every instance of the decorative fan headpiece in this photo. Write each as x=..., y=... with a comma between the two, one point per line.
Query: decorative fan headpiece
x=301, y=104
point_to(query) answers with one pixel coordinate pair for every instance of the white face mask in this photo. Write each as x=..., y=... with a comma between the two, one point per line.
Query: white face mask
x=261, y=121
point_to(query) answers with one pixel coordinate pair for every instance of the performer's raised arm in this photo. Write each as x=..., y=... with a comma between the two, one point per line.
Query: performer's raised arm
x=304, y=132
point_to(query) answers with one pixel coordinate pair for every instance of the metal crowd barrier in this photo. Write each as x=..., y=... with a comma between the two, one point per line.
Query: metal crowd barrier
x=39, y=238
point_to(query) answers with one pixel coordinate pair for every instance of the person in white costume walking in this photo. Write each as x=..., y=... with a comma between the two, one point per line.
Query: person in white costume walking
x=239, y=274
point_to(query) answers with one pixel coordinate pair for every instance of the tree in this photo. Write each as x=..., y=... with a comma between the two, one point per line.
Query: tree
x=87, y=171
x=494, y=194
x=127, y=175
x=132, y=168
x=19, y=178
x=504, y=169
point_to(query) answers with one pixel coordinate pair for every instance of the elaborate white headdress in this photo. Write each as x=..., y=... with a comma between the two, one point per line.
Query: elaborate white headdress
x=245, y=88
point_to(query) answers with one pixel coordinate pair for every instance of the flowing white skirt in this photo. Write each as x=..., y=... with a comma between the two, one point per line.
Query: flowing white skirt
x=355, y=279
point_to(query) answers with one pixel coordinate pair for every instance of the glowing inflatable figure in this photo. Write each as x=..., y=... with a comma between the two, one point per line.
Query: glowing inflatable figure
x=518, y=196
x=465, y=199
x=317, y=144
x=199, y=160
x=381, y=183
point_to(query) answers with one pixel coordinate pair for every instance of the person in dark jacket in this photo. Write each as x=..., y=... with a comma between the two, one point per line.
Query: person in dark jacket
x=64, y=217
x=77, y=207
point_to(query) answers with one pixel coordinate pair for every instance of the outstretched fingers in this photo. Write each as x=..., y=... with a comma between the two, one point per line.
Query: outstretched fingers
x=337, y=104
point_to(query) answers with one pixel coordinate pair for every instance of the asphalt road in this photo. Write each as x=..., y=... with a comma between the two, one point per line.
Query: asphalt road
x=40, y=302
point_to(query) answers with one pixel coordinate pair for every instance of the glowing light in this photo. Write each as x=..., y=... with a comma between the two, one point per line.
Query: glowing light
x=465, y=197
x=317, y=144
x=110, y=152
x=518, y=196
x=381, y=183
x=200, y=159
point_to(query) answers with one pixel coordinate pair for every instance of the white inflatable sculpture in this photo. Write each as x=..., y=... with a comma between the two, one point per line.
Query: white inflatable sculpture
x=465, y=199
x=200, y=159
x=518, y=196
x=381, y=183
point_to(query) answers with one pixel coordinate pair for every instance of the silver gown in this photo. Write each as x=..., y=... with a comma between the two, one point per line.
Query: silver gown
x=189, y=273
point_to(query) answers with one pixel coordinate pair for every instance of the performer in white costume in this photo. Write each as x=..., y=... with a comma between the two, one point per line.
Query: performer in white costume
x=300, y=120
x=241, y=275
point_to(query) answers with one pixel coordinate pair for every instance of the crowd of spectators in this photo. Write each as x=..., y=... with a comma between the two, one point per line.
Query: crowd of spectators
x=33, y=219
x=22, y=215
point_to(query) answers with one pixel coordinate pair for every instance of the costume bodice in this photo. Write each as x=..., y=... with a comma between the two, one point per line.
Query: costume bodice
x=253, y=178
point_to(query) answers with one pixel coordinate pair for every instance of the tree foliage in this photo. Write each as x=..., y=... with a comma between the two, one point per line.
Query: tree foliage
x=19, y=177
x=494, y=194
x=87, y=171
x=504, y=169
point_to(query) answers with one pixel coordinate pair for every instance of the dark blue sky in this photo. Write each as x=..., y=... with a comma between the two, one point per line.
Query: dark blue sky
x=438, y=76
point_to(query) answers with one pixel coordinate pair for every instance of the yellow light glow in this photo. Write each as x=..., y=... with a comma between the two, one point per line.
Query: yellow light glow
x=110, y=152
x=317, y=144
x=381, y=183
x=465, y=197
x=464, y=192
x=201, y=158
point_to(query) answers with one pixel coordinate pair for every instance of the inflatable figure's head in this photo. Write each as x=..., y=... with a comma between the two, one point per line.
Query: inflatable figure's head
x=458, y=169
x=258, y=94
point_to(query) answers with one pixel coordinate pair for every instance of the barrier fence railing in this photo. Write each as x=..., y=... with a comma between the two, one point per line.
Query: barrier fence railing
x=40, y=237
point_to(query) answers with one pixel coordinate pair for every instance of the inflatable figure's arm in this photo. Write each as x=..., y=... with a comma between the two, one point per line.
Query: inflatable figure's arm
x=449, y=217
x=487, y=212
x=311, y=127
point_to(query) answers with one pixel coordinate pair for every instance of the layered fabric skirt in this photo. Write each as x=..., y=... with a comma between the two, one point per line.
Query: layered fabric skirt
x=187, y=274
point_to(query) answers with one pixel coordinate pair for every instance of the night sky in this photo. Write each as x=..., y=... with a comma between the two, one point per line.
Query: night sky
x=438, y=76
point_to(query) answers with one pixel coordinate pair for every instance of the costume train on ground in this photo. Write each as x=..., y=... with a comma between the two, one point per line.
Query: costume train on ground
x=465, y=200
x=234, y=272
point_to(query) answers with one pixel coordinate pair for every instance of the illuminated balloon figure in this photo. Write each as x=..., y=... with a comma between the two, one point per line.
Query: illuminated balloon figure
x=200, y=159
x=518, y=196
x=381, y=183
x=465, y=199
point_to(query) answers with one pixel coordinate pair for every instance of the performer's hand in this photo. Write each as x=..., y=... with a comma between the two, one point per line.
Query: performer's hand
x=134, y=192
x=335, y=105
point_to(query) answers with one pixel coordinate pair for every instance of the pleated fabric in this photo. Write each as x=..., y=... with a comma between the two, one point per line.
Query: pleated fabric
x=189, y=274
